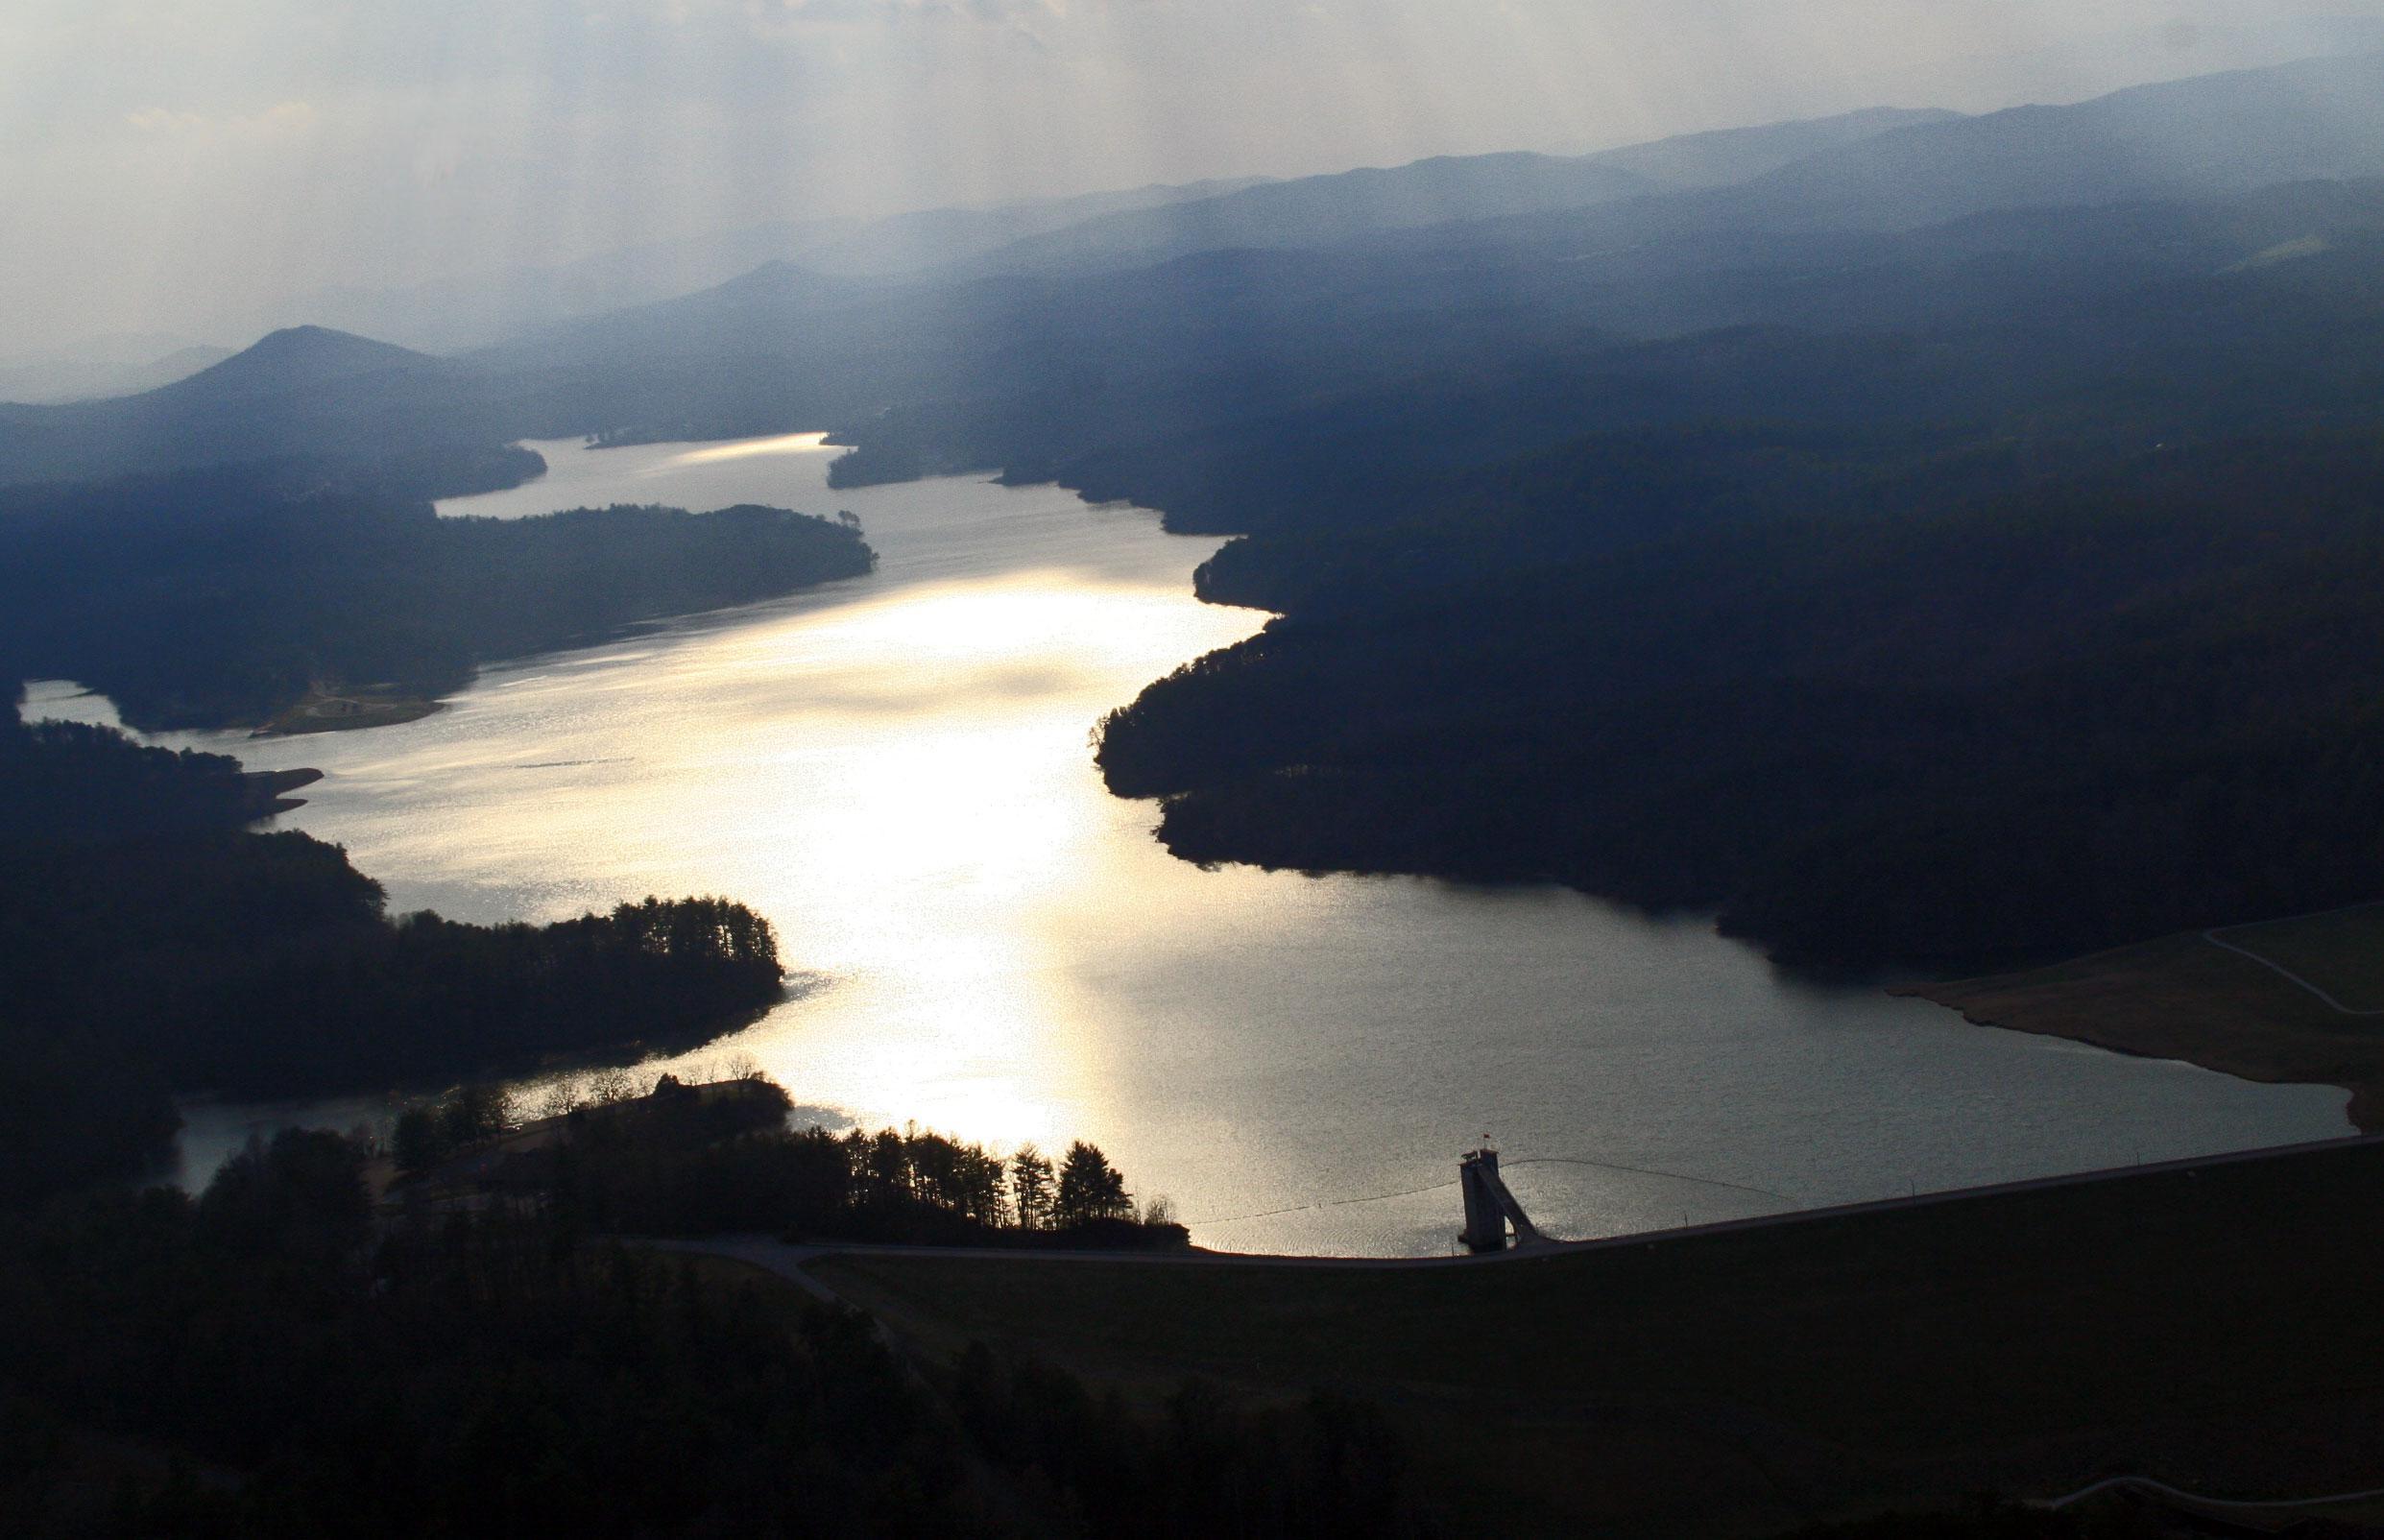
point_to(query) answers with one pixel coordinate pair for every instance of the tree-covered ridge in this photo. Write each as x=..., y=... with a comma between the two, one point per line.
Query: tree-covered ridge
x=417, y=997
x=723, y=1159
x=2089, y=708
x=71, y=781
x=261, y=965
x=150, y=941
x=222, y=598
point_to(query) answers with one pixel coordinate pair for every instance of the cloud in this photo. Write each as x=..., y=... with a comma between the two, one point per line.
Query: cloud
x=162, y=120
x=280, y=118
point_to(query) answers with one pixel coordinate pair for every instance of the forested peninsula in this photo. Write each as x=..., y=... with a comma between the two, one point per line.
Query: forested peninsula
x=226, y=598
x=1964, y=712
x=154, y=943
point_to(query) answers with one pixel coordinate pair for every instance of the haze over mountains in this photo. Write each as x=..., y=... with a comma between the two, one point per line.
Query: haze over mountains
x=630, y=132
x=2179, y=46
x=1322, y=211
x=1493, y=254
x=1142, y=224
x=107, y=367
x=2322, y=118
x=1152, y=223
x=468, y=312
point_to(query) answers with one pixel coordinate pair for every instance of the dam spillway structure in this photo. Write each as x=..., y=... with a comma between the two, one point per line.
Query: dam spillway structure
x=1489, y=1208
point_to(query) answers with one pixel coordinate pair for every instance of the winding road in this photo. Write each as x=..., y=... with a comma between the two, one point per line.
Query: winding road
x=2212, y=937
x=2144, y=1483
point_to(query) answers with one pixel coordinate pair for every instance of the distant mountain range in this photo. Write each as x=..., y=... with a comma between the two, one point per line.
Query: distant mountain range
x=111, y=366
x=1140, y=223
x=907, y=330
x=1728, y=156
x=2216, y=135
x=1883, y=170
x=474, y=311
x=1321, y=210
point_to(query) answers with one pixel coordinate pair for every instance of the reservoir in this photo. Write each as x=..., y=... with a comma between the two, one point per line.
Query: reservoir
x=896, y=771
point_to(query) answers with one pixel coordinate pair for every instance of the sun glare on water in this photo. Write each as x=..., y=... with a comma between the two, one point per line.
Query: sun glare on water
x=744, y=449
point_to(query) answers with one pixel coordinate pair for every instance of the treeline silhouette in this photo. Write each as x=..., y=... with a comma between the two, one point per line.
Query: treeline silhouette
x=264, y=1360
x=721, y=1159
x=75, y=781
x=150, y=940
x=418, y=997
x=219, y=598
x=1958, y=710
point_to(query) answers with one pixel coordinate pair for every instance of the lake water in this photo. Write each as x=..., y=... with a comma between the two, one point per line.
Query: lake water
x=895, y=770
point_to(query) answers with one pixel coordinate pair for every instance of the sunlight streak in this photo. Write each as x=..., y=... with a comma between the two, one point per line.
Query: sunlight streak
x=746, y=449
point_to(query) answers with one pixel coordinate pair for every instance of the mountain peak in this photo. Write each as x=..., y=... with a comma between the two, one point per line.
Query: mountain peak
x=300, y=356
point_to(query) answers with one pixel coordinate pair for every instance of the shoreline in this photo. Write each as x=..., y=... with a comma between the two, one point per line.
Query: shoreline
x=270, y=789
x=2190, y=998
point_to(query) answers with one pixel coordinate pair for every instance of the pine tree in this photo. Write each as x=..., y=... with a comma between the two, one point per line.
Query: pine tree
x=1030, y=1187
x=1090, y=1188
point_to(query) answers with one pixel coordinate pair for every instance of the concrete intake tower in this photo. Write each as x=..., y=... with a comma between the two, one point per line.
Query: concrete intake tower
x=1489, y=1208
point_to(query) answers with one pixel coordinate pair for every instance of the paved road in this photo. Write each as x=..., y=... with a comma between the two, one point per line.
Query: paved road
x=2212, y=937
x=2144, y=1483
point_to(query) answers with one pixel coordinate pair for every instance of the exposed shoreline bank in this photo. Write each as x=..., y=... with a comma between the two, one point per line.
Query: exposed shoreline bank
x=2223, y=1006
x=270, y=789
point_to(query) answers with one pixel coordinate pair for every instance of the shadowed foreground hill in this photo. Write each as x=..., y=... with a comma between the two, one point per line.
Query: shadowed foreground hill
x=267, y=1362
x=2208, y=1327
x=486, y=1369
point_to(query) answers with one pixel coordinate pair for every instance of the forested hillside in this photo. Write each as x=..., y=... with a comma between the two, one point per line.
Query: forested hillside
x=261, y=1359
x=214, y=599
x=152, y=943
x=1909, y=720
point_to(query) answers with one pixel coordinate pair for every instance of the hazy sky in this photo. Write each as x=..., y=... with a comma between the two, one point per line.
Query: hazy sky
x=193, y=166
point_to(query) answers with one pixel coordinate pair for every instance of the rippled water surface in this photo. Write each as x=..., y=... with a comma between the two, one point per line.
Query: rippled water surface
x=895, y=770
